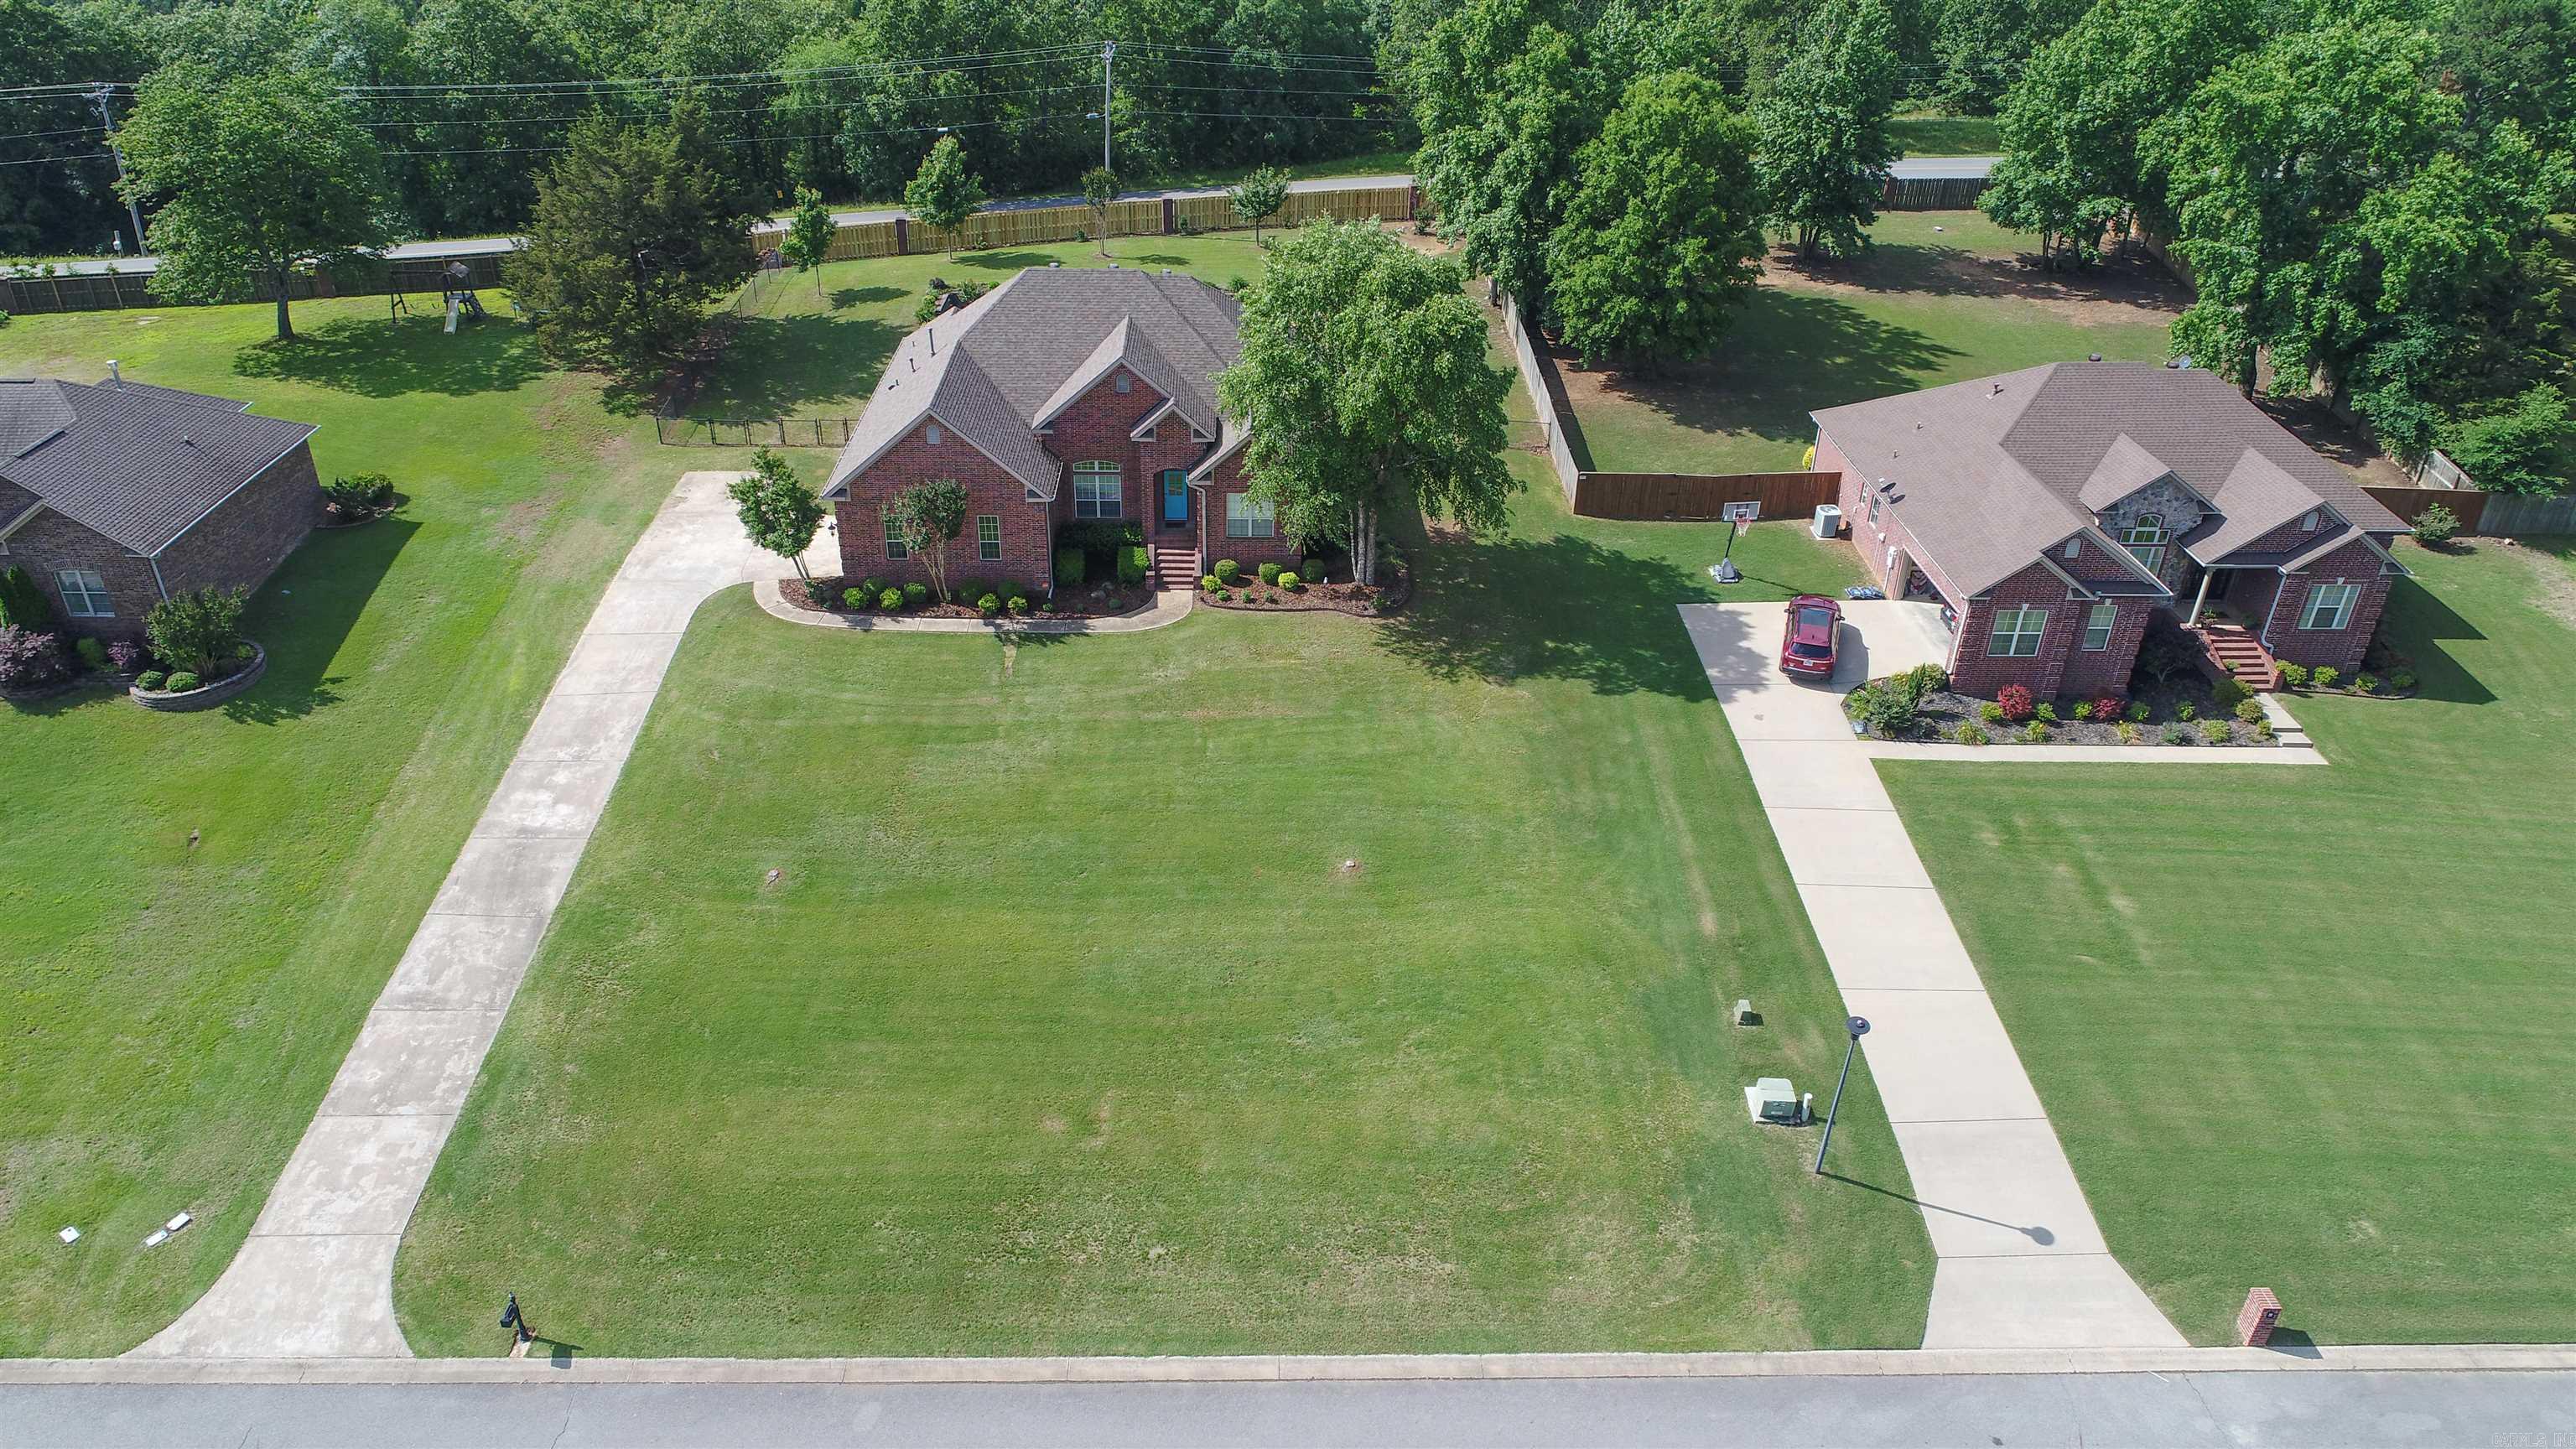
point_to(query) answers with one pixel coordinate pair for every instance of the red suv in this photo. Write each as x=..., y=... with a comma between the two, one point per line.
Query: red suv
x=1807, y=645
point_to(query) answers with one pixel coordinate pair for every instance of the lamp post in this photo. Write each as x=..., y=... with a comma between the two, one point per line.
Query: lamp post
x=1858, y=1026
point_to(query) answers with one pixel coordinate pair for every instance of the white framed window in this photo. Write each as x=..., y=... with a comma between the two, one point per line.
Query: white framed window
x=2075, y=548
x=1123, y=384
x=84, y=593
x=2309, y=523
x=2097, y=627
x=1873, y=508
x=2329, y=606
x=988, y=537
x=1095, y=490
x=2146, y=538
x=2016, y=633
x=894, y=539
x=1245, y=518
x=930, y=435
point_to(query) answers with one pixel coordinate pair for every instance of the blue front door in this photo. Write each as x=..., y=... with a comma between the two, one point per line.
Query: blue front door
x=1176, y=497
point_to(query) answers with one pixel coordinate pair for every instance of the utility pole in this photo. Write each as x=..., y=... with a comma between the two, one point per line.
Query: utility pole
x=1108, y=53
x=133, y=212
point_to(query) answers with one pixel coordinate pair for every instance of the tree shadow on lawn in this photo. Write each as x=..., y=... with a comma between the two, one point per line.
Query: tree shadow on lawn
x=1929, y=269
x=1792, y=352
x=305, y=612
x=378, y=359
x=2413, y=621
x=844, y=298
x=1507, y=609
x=774, y=366
x=1010, y=261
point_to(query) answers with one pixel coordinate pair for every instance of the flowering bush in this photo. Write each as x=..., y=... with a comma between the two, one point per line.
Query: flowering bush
x=2016, y=702
x=2108, y=706
x=29, y=660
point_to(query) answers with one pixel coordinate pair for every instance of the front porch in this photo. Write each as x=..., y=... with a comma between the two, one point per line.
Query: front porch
x=2227, y=619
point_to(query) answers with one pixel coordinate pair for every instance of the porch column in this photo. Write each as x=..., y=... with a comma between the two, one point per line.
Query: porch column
x=2199, y=597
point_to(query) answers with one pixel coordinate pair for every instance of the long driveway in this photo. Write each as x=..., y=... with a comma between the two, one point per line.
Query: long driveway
x=315, y=1277
x=2021, y=1262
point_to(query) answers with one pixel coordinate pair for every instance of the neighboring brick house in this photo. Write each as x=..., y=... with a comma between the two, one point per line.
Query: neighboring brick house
x=1062, y=395
x=115, y=495
x=2056, y=511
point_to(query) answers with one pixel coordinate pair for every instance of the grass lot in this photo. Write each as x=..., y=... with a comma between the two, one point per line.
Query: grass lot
x=2311, y=1028
x=1926, y=135
x=174, y=1012
x=1938, y=299
x=1063, y=1030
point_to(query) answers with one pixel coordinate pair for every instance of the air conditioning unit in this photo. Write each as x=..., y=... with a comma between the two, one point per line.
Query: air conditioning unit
x=1829, y=521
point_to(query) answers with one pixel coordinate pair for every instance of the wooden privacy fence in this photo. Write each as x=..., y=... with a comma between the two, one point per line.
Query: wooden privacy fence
x=2468, y=505
x=1690, y=496
x=1167, y=216
x=1916, y=193
x=134, y=289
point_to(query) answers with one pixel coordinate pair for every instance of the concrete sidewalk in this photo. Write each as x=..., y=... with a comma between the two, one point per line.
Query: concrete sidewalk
x=2021, y=1263
x=315, y=1277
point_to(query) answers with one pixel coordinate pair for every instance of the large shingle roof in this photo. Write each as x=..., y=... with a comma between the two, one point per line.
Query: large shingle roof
x=994, y=369
x=1989, y=474
x=137, y=463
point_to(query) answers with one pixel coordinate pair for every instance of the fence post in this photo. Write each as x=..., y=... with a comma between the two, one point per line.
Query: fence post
x=902, y=238
x=1170, y=212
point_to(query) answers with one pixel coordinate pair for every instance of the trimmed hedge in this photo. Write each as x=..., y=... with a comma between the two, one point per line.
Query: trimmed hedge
x=1131, y=564
x=1069, y=571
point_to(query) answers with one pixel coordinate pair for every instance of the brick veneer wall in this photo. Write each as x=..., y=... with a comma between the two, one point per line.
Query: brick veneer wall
x=1028, y=535
x=238, y=545
x=1252, y=553
x=2354, y=563
x=2062, y=666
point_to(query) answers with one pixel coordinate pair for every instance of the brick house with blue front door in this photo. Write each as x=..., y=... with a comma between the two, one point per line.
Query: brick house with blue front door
x=1063, y=395
x=2056, y=512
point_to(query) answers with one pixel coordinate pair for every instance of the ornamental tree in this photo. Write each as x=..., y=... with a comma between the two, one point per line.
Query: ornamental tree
x=779, y=512
x=810, y=233
x=256, y=178
x=1260, y=196
x=1660, y=241
x=941, y=193
x=1099, y=188
x=1364, y=385
x=927, y=517
x=1823, y=122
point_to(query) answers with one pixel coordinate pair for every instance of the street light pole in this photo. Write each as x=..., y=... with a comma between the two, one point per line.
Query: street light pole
x=1858, y=1026
x=133, y=212
x=1108, y=53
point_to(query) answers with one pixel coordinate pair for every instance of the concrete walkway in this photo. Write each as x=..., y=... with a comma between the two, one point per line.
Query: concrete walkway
x=1170, y=606
x=2021, y=1263
x=315, y=1277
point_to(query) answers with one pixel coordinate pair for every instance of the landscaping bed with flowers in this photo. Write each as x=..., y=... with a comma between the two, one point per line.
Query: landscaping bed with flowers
x=197, y=656
x=967, y=599
x=2183, y=709
x=1307, y=588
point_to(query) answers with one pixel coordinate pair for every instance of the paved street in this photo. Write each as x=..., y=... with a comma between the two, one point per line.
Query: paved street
x=2291, y=1409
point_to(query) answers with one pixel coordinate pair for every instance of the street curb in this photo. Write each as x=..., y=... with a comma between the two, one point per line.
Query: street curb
x=1287, y=1368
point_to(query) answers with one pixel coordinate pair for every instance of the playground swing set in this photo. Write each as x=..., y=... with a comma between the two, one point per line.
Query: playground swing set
x=455, y=294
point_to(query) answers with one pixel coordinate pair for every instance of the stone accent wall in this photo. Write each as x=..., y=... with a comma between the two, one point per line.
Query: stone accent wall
x=2354, y=563
x=2180, y=511
x=1028, y=534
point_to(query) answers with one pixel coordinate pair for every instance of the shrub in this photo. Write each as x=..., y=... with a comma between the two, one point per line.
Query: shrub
x=93, y=654
x=1968, y=734
x=1311, y=570
x=2262, y=729
x=854, y=598
x=1017, y=603
x=197, y=631
x=1227, y=571
x=2217, y=731
x=2016, y=702
x=1991, y=712
x=2401, y=679
x=2366, y=683
x=2250, y=710
x=2036, y=733
x=2167, y=653
x=915, y=595
x=124, y=657
x=988, y=605
x=28, y=659
x=2324, y=676
x=890, y=600
x=2187, y=711
x=2138, y=712
x=2436, y=526
x=873, y=586
x=1131, y=563
x=2045, y=711
x=2083, y=709
x=1208, y=582
x=2128, y=733
x=150, y=679
x=2176, y=734
x=358, y=491
x=182, y=682
x=2294, y=675
x=1225, y=596
x=2109, y=707
x=23, y=605
x=1927, y=677
x=1290, y=581
x=1888, y=710
x=2228, y=692
x=1269, y=573
x=1068, y=567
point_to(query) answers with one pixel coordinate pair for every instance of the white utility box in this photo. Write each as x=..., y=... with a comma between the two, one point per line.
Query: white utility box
x=1829, y=521
x=1771, y=1099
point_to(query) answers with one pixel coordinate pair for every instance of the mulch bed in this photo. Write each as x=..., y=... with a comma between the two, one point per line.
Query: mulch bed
x=1942, y=712
x=1091, y=601
x=1367, y=601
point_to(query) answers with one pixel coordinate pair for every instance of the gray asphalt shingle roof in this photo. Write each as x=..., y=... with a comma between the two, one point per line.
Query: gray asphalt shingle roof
x=992, y=370
x=136, y=463
x=1989, y=474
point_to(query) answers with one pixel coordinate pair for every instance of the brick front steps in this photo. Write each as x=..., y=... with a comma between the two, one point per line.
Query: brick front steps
x=2234, y=650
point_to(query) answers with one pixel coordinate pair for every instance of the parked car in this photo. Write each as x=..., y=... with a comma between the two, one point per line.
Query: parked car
x=1814, y=630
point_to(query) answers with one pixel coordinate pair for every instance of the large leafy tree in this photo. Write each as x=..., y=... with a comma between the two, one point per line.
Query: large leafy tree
x=256, y=177
x=1982, y=45
x=777, y=510
x=1661, y=237
x=943, y=193
x=1823, y=123
x=57, y=188
x=633, y=238
x=1504, y=100
x=2070, y=124
x=2512, y=60
x=1365, y=386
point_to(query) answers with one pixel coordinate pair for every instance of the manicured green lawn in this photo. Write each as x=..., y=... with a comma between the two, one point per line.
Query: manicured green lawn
x=174, y=1012
x=1945, y=135
x=1064, y=1026
x=2311, y=1029
x=1923, y=307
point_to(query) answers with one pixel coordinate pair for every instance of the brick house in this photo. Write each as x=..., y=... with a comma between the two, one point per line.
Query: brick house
x=1063, y=395
x=115, y=495
x=2056, y=511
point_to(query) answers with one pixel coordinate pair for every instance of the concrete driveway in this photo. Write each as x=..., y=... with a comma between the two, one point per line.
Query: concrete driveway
x=2022, y=1263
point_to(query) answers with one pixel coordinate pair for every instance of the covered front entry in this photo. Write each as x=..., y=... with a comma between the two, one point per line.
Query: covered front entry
x=1176, y=497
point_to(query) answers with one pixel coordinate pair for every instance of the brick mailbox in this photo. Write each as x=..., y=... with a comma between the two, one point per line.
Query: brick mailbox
x=2255, y=1320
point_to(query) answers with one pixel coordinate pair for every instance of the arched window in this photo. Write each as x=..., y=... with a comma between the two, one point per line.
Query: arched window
x=2146, y=538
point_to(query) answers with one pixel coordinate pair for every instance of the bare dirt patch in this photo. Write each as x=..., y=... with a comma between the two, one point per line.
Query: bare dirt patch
x=2122, y=287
